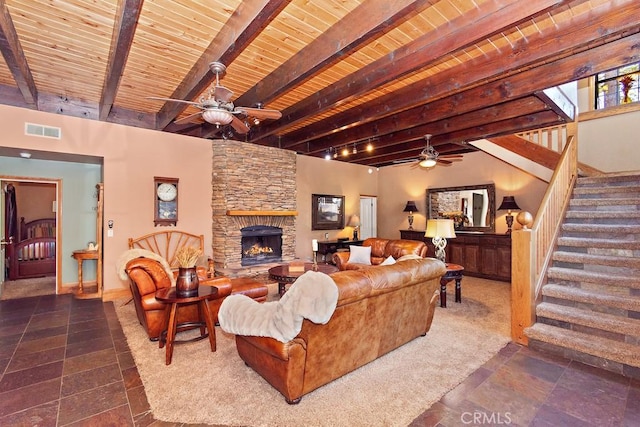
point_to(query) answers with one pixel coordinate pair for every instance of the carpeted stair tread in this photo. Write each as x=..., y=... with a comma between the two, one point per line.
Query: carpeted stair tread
x=585, y=242
x=602, y=214
x=606, y=190
x=616, y=351
x=570, y=293
x=609, y=179
x=591, y=319
x=600, y=228
x=614, y=201
x=575, y=275
x=608, y=260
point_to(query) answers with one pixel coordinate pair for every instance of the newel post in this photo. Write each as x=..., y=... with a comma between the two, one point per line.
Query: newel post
x=522, y=285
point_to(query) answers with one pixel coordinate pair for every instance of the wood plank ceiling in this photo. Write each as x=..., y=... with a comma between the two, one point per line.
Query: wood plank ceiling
x=344, y=73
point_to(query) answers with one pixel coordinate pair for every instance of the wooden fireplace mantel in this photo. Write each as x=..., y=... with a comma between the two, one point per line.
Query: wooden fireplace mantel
x=262, y=213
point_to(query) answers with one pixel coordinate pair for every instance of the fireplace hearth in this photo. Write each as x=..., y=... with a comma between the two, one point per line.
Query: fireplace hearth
x=261, y=244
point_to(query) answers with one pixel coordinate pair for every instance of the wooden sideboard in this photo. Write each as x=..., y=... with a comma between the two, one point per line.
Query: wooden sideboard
x=486, y=255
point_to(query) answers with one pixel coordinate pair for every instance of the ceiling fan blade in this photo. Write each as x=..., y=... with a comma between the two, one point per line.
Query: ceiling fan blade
x=197, y=104
x=444, y=162
x=239, y=125
x=451, y=156
x=189, y=118
x=221, y=93
x=260, y=113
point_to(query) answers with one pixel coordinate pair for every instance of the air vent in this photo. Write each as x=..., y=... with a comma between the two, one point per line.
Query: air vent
x=42, y=131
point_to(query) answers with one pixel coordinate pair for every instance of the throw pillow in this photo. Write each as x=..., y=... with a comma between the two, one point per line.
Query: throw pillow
x=360, y=254
x=389, y=261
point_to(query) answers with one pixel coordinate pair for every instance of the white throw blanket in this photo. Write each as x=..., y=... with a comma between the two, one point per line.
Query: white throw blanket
x=130, y=254
x=312, y=296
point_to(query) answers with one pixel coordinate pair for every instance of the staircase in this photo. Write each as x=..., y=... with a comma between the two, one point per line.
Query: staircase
x=590, y=309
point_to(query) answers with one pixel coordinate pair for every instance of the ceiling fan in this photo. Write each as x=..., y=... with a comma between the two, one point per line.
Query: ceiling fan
x=216, y=107
x=429, y=157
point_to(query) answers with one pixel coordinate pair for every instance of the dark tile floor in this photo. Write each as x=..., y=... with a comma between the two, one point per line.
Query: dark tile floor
x=66, y=362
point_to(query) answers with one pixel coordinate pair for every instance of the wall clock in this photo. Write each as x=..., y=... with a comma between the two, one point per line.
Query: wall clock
x=165, y=201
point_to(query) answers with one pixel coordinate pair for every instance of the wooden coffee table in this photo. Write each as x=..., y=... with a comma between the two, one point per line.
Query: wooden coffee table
x=454, y=272
x=168, y=337
x=283, y=276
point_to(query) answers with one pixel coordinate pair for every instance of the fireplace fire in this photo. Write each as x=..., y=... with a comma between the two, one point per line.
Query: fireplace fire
x=261, y=244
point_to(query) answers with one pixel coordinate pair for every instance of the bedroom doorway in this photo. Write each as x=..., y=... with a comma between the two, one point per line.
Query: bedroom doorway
x=29, y=226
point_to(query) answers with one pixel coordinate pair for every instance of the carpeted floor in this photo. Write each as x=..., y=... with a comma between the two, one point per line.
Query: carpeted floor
x=217, y=388
x=25, y=288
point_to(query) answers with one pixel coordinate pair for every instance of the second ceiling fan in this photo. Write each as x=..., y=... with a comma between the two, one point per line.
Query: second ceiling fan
x=429, y=157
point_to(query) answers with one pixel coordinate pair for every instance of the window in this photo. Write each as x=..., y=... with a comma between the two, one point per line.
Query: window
x=618, y=86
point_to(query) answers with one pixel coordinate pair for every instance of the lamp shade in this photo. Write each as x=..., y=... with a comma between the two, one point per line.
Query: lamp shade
x=440, y=228
x=354, y=221
x=216, y=116
x=410, y=207
x=509, y=203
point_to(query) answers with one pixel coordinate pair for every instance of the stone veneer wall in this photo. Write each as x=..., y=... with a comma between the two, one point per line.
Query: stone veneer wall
x=250, y=177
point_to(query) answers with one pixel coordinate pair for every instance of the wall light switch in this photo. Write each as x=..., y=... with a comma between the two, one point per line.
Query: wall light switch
x=110, y=233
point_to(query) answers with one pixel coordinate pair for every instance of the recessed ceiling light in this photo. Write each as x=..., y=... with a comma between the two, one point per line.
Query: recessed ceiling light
x=25, y=155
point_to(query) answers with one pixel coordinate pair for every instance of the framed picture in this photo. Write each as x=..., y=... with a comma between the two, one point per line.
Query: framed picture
x=327, y=212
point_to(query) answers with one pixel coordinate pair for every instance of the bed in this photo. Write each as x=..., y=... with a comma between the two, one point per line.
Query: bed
x=34, y=255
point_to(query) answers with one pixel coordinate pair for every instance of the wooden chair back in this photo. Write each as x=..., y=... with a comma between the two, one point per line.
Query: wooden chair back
x=167, y=243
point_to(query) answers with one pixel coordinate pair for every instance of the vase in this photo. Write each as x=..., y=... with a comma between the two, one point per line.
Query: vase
x=187, y=282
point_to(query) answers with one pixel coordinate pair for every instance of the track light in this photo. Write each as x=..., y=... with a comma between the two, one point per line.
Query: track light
x=369, y=147
x=345, y=152
x=355, y=150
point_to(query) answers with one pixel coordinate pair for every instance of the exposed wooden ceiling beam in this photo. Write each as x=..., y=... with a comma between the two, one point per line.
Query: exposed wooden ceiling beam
x=121, y=39
x=406, y=132
x=576, y=35
x=246, y=23
x=14, y=57
x=487, y=19
x=350, y=33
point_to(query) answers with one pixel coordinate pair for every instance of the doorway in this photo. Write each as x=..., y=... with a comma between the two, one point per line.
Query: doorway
x=368, y=217
x=30, y=235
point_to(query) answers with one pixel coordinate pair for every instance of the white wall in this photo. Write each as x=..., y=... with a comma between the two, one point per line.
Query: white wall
x=608, y=143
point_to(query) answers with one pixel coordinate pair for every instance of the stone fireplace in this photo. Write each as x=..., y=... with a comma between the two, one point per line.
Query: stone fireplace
x=254, y=192
x=261, y=244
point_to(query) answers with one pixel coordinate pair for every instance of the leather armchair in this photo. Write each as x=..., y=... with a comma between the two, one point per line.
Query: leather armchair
x=146, y=276
x=381, y=249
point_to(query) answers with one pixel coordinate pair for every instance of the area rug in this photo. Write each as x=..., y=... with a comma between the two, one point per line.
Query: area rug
x=218, y=388
x=25, y=288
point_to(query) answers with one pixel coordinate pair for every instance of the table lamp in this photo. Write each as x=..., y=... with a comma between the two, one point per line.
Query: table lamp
x=411, y=208
x=509, y=204
x=354, y=222
x=440, y=230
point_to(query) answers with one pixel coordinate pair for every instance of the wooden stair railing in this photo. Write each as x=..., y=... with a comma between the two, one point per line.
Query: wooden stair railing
x=532, y=249
x=554, y=138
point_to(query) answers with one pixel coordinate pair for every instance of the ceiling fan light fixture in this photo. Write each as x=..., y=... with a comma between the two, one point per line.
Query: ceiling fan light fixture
x=217, y=117
x=427, y=163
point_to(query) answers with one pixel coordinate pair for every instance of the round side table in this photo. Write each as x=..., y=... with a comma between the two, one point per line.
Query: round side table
x=168, y=337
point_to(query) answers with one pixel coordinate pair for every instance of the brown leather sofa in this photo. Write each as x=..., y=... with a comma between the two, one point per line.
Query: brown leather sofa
x=379, y=309
x=146, y=276
x=381, y=249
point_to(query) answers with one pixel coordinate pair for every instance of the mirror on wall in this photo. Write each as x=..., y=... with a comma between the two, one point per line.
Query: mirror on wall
x=471, y=207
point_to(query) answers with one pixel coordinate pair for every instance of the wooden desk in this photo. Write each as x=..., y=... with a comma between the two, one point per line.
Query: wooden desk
x=282, y=275
x=454, y=272
x=326, y=247
x=168, y=337
x=81, y=256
